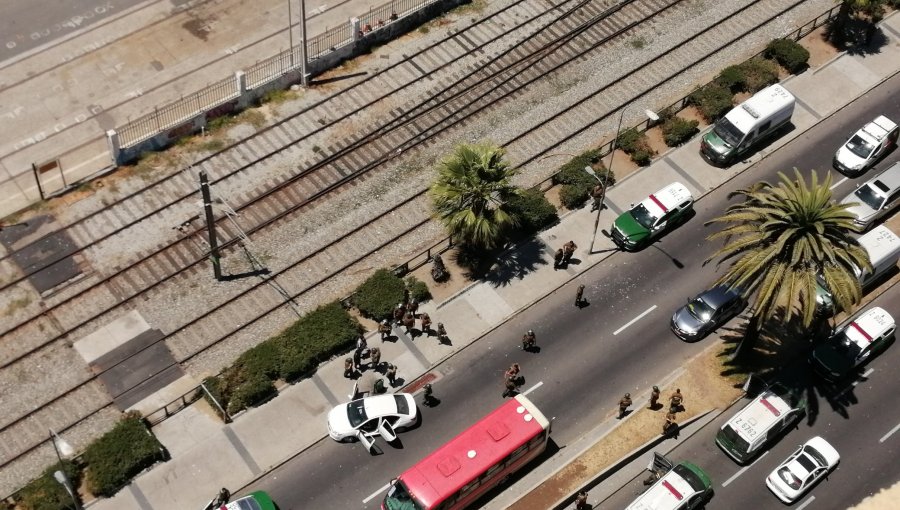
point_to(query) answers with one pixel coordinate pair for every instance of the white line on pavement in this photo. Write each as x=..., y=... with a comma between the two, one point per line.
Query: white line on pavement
x=639, y=317
x=536, y=386
x=808, y=501
x=867, y=373
x=745, y=468
x=890, y=433
x=835, y=185
x=376, y=493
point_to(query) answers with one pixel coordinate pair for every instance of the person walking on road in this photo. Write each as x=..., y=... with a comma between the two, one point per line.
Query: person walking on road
x=558, y=259
x=429, y=395
x=579, y=296
x=654, y=398
x=529, y=340
x=676, y=401
x=624, y=404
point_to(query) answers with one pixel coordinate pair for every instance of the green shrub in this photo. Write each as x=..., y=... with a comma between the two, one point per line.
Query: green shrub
x=733, y=79
x=418, y=290
x=255, y=390
x=297, y=360
x=262, y=360
x=573, y=171
x=759, y=73
x=218, y=388
x=45, y=493
x=573, y=196
x=642, y=157
x=379, y=294
x=676, y=130
x=325, y=331
x=713, y=100
x=120, y=454
x=789, y=53
x=533, y=210
x=635, y=144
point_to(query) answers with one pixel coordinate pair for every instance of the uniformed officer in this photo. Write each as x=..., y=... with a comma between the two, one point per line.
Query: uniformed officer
x=375, y=352
x=385, y=329
x=558, y=258
x=581, y=500
x=429, y=395
x=624, y=404
x=676, y=401
x=579, y=295
x=654, y=397
x=568, y=250
x=426, y=324
x=391, y=374
x=442, y=333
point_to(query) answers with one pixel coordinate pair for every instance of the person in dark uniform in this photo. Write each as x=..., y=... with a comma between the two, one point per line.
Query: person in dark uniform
x=597, y=194
x=385, y=329
x=654, y=398
x=579, y=296
x=558, y=259
x=569, y=250
x=426, y=324
x=676, y=401
x=624, y=404
x=442, y=333
x=429, y=395
x=391, y=374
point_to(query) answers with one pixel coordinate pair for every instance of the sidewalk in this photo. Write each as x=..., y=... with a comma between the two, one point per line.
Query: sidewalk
x=245, y=450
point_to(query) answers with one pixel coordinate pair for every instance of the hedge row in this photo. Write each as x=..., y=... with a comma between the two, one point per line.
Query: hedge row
x=381, y=292
x=635, y=144
x=576, y=184
x=290, y=355
x=120, y=454
x=45, y=493
x=534, y=212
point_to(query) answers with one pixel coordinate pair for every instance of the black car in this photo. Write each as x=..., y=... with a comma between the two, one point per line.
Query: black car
x=706, y=312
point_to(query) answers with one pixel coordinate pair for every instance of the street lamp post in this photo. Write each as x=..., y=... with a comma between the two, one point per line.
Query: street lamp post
x=64, y=481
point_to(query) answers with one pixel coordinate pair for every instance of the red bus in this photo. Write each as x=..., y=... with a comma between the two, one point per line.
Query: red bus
x=475, y=461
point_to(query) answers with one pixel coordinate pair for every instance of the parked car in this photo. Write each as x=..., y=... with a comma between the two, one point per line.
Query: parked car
x=706, y=312
x=258, y=500
x=853, y=343
x=364, y=418
x=866, y=146
x=658, y=213
x=683, y=486
x=762, y=421
x=875, y=199
x=802, y=469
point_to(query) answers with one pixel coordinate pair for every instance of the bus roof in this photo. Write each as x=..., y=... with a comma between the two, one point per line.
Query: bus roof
x=473, y=451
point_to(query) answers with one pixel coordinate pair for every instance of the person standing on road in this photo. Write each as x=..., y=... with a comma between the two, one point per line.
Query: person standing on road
x=624, y=404
x=579, y=296
x=654, y=398
x=429, y=395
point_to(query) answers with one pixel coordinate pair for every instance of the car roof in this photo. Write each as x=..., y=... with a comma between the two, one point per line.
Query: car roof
x=868, y=326
x=666, y=199
x=669, y=492
x=890, y=179
x=824, y=447
x=878, y=129
x=380, y=405
x=759, y=415
x=718, y=295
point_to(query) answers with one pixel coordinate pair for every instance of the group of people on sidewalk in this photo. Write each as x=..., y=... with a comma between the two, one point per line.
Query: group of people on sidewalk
x=564, y=255
x=676, y=404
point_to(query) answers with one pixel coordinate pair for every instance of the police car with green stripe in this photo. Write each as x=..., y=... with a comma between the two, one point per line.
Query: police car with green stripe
x=645, y=222
x=682, y=486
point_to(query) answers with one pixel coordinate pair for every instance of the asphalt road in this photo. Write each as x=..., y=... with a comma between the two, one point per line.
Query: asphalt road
x=582, y=368
x=28, y=24
x=858, y=417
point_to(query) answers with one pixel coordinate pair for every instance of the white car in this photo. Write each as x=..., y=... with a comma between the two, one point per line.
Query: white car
x=799, y=472
x=866, y=146
x=875, y=199
x=364, y=418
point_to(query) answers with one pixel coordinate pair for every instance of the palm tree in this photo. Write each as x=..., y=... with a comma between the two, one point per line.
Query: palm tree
x=471, y=195
x=780, y=238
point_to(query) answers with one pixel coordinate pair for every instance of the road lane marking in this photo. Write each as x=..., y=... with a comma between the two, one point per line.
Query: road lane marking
x=639, y=317
x=889, y=434
x=807, y=502
x=536, y=386
x=376, y=493
x=835, y=185
x=745, y=468
x=867, y=373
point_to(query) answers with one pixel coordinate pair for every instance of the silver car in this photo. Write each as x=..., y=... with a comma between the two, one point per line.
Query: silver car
x=875, y=199
x=706, y=312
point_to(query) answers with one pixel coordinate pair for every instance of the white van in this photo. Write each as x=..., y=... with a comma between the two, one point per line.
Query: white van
x=883, y=247
x=746, y=124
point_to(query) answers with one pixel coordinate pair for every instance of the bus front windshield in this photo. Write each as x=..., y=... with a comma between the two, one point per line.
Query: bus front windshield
x=727, y=131
x=398, y=498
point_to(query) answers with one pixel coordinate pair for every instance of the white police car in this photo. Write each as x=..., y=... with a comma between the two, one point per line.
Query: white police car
x=866, y=146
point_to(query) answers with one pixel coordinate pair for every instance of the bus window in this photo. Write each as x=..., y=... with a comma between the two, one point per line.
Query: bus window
x=469, y=487
x=490, y=472
x=519, y=452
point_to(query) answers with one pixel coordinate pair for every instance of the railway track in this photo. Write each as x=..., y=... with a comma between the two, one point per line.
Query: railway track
x=484, y=87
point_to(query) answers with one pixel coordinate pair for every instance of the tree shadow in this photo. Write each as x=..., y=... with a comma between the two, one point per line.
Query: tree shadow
x=501, y=266
x=858, y=37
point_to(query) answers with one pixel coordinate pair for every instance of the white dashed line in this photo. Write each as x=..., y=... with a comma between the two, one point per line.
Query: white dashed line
x=835, y=185
x=743, y=469
x=376, y=493
x=808, y=501
x=889, y=434
x=639, y=317
x=536, y=386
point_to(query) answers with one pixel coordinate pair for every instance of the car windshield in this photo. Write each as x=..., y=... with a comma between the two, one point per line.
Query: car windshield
x=690, y=477
x=789, y=477
x=402, y=405
x=728, y=132
x=870, y=196
x=813, y=458
x=398, y=498
x=857, y=145
x=356, y=412
x=247, y=504
x=845, y=346
x=732, y=436
x=785, y=393
x=643, y=216
x=700, y=309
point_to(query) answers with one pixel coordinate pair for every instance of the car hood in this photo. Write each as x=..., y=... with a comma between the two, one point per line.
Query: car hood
x=630, y=228
x=715, y=142
x=831, y=359
x=338, y=421
x=860, y=210
x=847, y=158
x=685, y=321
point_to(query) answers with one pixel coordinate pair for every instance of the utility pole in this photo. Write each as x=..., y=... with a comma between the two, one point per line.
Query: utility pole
x=210, y=226
x=304, y=77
